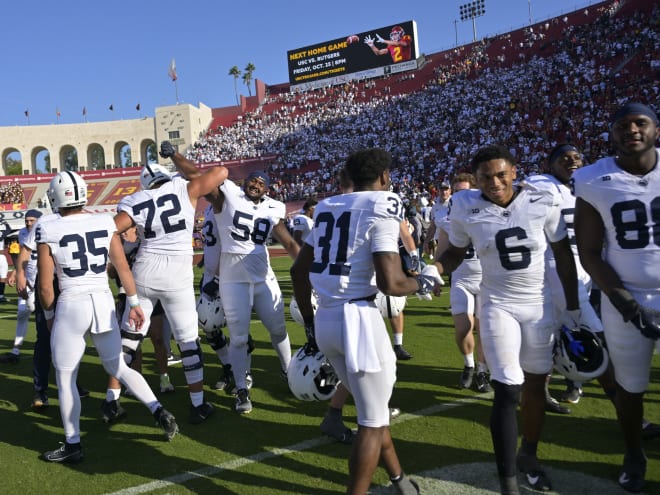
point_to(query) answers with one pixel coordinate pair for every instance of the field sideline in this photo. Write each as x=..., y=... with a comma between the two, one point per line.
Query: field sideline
x=442, y=437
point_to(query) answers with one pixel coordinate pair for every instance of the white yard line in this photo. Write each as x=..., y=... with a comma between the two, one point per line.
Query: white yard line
x=238, y=463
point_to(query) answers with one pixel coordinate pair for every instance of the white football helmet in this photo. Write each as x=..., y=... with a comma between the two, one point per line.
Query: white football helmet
x=310, y=376
x=295, y=310
x=153, y=174
x=67, y=190
x=579, y=354
x=390, y=306
x=210, y=314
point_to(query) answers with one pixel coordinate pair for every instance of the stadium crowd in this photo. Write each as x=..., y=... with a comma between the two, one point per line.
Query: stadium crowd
x=563, y=93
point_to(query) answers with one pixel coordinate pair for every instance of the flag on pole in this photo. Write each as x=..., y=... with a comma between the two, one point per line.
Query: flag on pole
x=172, y=70
x=84, y=111
x=111, y=108
x=27, y=113
x=57, y=112
x=137, y=107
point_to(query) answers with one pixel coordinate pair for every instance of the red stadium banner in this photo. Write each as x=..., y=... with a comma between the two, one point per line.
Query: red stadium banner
x=94, y=191
x=121, y=189
x=13, y=206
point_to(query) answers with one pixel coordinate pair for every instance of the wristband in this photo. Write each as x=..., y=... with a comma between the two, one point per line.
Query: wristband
x=133, y=301
x=49, y=314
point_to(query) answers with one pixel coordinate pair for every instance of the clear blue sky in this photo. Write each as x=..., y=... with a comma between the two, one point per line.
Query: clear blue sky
x=72, y=54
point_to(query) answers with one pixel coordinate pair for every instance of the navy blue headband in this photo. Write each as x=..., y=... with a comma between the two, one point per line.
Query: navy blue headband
x=635, y=108
x=261, y=175
x=560, y=150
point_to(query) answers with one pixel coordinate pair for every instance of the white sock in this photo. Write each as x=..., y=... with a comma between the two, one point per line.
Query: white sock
x=468, y=360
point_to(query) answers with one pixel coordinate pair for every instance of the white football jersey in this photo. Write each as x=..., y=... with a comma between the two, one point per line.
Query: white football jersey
x=30, y=242
x=244, y=227
x=469, y=271
x=212, y=245
x=165, y=218
x=510, y=242
x=568, y=214
x=630, y=208
x=304, y=224
x=348, y=230
x=438, y=213
x=79, y=245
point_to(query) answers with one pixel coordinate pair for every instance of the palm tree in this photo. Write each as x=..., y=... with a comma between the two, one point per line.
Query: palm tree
x=235, y=71
x=247, y=76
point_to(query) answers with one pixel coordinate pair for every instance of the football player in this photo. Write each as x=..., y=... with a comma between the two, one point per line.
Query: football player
x=209, y=284
x=438, y=215
x=351, y=253
x=25, y=304
x=164, y=212
x=76, y=247
x=302, y=223
x=464, y=300
x=399, y=46
x=509, y=226
x=247, y=220
x=616, y=227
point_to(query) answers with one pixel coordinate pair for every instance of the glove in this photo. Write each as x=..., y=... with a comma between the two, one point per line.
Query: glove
x=429, y=281
x=647, y=321
x=166, y=149
x=574, y=346
x=312, y=348
x=369, y=40
x=379, y=39
x=211, y=289
x=625, y=303
x=414, y=261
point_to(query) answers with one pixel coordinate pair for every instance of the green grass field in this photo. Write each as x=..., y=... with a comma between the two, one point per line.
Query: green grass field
x=442, y=437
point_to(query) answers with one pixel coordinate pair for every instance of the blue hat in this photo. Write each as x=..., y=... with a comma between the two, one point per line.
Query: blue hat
x=259, y=174
x=33, y=213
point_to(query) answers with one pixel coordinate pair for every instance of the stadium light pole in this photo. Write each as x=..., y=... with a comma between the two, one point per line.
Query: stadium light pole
x=456, y=30
x=529, y=8
x=470, y=11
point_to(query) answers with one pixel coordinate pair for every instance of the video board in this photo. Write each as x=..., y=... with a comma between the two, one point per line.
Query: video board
x=373, y=53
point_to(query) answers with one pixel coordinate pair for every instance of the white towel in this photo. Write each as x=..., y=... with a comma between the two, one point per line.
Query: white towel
x=359, y=345
x=104, y=312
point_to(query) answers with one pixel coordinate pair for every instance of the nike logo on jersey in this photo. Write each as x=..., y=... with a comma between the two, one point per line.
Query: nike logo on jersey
x=271, y=206
x=533, y=200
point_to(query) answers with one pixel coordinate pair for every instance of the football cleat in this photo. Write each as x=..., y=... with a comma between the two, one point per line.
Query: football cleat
x=337, y=429
x=466, y=377
x=631, y=478
x=226, y=381
x=243, y=402
x=535, y=477
x=166, y=421
x=401, y=353
x=68, y=453
x=83, y=393
x=572, y=394
x=200, y=413
x=112, y=412
x=165, y=384
x=40, y=400
x=553, y=406
x=483, y=383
